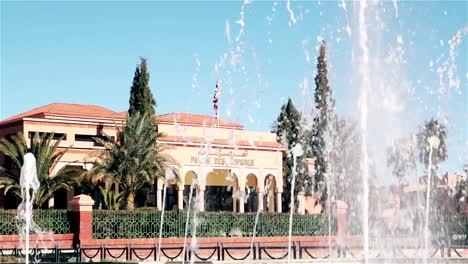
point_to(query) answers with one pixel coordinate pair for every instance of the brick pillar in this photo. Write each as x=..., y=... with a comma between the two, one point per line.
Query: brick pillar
x=82, y=208
x=341, y=218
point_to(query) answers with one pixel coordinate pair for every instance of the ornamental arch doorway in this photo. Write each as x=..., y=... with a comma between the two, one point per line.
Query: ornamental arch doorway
x=269, y=194
x=220, y=190
x=190, y=181
x=251, y=193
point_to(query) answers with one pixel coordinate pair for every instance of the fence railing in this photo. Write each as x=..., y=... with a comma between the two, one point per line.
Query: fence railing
x=50, y=220
x=145, y=224
x=220, y=252
x=451, y=230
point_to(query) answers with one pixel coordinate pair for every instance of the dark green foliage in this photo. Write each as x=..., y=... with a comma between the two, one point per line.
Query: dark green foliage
x=288, y=131
x=324, y=104
x=344, y=159
x=439, y=154
x=141, y=99
x=45, y=149
x=133, y=160
x=52, y=220
x=461, y=195
x=402, y=156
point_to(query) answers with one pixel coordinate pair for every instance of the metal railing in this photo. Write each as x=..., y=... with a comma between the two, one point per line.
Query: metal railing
x=145, y=224
x=213, y=252
x=49, y=220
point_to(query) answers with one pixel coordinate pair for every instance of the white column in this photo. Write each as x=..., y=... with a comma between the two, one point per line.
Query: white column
x=201, y=200
x=260, y=201
x=278, y=203
x=159, y=187
x=51, y=202
x=158, y=199
x=180, y=198
x=234, y=204
x=301, y=200
x=241, y=202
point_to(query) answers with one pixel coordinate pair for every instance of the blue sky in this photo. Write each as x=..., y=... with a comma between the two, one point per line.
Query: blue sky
x=86, y=52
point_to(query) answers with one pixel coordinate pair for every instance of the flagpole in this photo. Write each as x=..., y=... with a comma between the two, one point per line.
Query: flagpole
x=216, y=101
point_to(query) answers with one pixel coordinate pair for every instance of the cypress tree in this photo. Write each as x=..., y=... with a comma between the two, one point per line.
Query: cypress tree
x=288, y=131
x=142, y=109
x=324, y=104
x=141, y=98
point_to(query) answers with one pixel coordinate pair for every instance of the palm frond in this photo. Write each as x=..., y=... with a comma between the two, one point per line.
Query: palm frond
x=45, y=149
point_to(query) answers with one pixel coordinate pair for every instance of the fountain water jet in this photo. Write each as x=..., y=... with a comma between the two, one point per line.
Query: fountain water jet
x=433, y=144
x=255, y=228
x=169, y=175
x=29, y=185
x=187, y=219
x=296, y=152
x=364, y=74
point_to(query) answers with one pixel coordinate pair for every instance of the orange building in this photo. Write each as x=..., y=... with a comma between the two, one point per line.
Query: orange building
x=222, y=156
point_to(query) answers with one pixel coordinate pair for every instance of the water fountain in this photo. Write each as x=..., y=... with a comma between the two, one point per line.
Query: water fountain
x=433, y=142
x=168, y=176
x=296, y=152
x=189, y=207
x=364, y=75
x=29, y=184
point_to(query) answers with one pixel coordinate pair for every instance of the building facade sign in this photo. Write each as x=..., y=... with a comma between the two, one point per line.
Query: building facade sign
x=218, y=157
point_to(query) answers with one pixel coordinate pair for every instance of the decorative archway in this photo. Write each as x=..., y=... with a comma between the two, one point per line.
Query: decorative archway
x=190, y=181
x=269, y=194
x=189, y=177
x=251, y=189
x=221, y=187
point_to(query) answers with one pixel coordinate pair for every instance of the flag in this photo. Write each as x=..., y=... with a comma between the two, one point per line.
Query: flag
x=216, y=100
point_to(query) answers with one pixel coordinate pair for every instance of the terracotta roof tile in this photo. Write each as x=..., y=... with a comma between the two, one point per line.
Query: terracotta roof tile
x=81, y=111
x=67, y=110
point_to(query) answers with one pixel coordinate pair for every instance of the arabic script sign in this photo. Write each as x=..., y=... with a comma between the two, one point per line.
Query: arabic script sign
x=222, y=158
x=221, y=153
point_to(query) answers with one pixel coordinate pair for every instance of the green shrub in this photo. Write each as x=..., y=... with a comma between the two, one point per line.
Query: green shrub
x=146, y=224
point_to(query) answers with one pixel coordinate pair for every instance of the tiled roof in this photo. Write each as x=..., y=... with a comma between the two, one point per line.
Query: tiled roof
x=81, y=111
x=196, y=120
x=67, y=110
x=227, y=142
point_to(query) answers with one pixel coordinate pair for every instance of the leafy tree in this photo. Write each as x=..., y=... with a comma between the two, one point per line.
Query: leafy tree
x=432, y=128
x=402, y=156
x=288, y=131
x=461, y=195
x=112, y=198
x=45, y=149
x=141, y=99
x=133, y=160
x=344, y=158
x=324, y=104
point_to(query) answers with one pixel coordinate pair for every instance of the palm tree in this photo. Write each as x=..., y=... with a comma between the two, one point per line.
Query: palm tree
x=45, y=149
x=132, y=160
